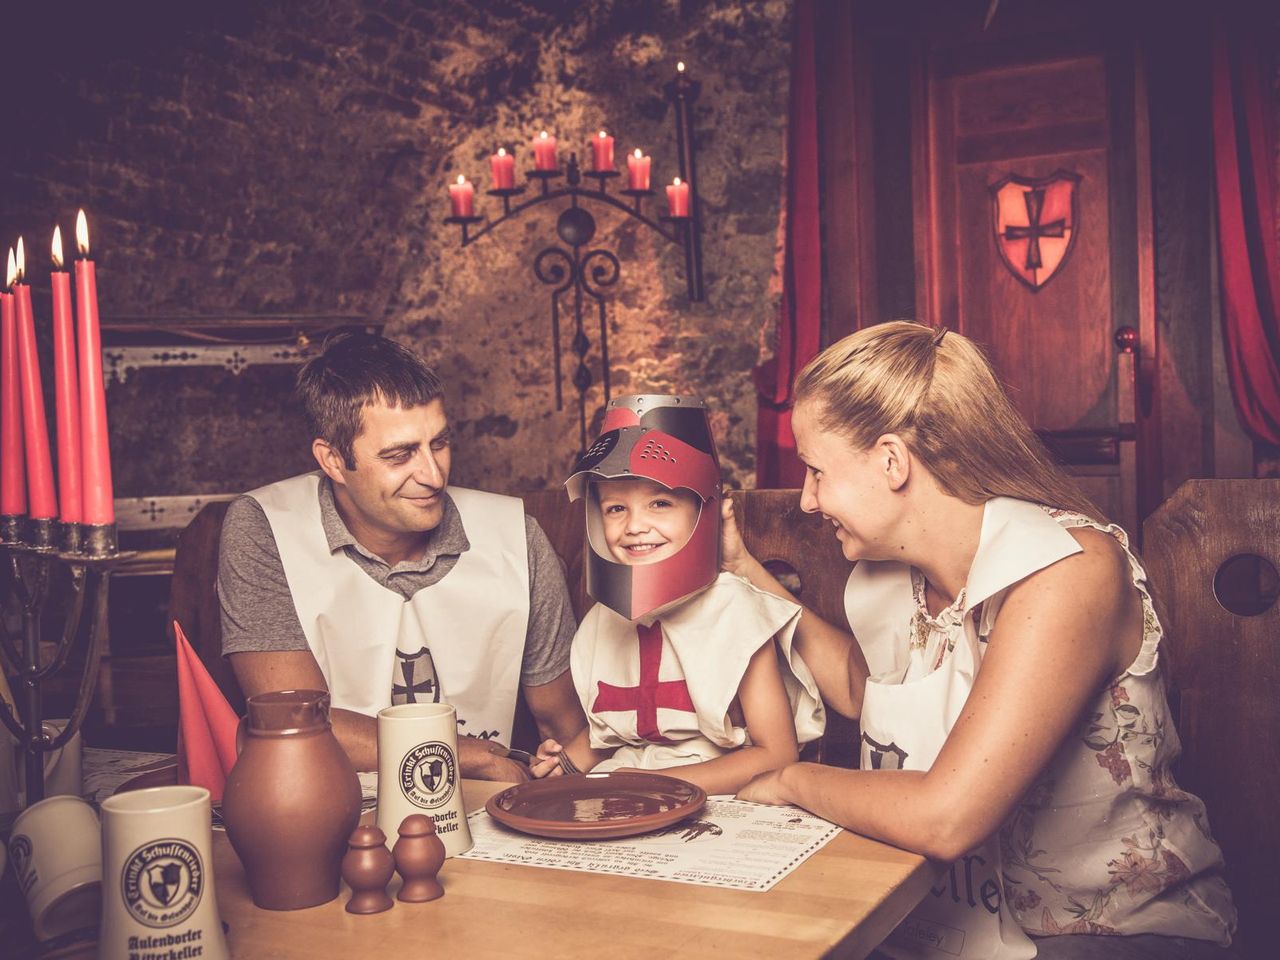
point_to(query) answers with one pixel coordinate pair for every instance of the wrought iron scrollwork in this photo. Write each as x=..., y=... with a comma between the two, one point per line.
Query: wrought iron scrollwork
x=590, y=275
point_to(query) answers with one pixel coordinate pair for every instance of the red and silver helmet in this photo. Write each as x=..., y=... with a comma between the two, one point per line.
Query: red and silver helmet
x=668, y=440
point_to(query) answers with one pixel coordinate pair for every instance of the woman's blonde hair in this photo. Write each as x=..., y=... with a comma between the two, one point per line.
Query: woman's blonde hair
x=936, y=390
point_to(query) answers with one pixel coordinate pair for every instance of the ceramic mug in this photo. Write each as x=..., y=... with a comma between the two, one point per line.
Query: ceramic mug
x=63, y=770
x=418, y=771
x=56, y=849
x=157, y=891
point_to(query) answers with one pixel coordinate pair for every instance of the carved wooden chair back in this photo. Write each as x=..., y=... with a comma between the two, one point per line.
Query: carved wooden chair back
x=193, y=596
x=1225, y=673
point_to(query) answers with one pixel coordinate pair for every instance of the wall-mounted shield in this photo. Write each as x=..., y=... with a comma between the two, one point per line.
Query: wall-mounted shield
x=1035, y=224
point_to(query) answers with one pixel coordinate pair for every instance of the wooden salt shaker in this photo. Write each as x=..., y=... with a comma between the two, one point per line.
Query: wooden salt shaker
x=419, y=855
x=367, y=869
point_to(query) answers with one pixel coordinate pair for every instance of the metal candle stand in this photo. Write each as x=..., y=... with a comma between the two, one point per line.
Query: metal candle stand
x=34, y=548
x=589, y=274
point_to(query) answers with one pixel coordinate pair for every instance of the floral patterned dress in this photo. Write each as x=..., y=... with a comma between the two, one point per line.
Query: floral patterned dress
x=1105, y=842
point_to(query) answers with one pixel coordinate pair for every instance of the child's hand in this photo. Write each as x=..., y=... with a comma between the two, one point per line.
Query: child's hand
x=547, y=761
x=733, y=552
x=765, y=788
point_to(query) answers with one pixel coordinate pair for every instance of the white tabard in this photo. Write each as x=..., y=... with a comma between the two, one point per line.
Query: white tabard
x=915, y=695
x=658, y=689
x=471, y=624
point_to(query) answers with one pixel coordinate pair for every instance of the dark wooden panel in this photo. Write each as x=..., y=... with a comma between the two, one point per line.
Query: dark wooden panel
x=1006, y=144
x=1059, y=93
x=1053, y=347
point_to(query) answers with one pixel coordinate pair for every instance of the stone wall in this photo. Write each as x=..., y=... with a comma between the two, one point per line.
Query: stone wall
x=293, y=157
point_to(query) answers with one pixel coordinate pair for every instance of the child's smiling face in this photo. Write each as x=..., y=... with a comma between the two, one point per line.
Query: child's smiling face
x=645, y=522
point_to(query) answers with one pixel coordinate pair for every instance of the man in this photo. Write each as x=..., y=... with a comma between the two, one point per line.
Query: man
x=369, y=580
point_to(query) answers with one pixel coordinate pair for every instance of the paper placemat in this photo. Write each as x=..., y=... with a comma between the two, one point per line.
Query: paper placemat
x=731, y=843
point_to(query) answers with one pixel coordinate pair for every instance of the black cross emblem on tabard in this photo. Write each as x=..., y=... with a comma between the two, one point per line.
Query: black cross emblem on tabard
x=1034, y=229
x=419, y=674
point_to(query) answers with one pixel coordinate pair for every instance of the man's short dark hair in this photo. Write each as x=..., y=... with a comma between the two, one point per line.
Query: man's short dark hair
x=353, y=371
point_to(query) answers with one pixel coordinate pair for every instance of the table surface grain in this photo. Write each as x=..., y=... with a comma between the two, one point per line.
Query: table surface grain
x=841, y=902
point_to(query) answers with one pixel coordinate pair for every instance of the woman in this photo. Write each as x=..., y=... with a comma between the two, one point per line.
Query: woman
x=1005, y=673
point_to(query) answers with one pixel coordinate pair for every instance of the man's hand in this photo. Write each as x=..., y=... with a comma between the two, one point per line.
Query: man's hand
x=482, y=760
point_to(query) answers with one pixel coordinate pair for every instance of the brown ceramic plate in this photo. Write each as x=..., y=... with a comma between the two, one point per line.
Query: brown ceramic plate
x=596, y=806
x=164, y=774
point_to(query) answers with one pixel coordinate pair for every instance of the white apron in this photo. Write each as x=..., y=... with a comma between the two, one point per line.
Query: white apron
x=910, y=706
x=658, y=690
x=471, y=624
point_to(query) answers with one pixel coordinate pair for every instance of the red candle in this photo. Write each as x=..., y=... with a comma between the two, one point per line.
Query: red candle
x=96, y=452
x=544, y=152
x=13, y=480
x=462, y=196
x=678, y=198
x=66, y=390
x=602, y=152
x=503, y=167
x=35, y=429
x=638, y=170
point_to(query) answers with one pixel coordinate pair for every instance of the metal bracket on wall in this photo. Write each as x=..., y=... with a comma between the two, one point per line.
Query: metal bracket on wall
x=229, y=343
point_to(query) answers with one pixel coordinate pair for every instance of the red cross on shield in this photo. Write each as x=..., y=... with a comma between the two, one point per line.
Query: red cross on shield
x=1035, y=224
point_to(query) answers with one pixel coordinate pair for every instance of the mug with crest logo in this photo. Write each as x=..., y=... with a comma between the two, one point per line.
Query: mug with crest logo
x=56, y=849
x=418, y=771
x=157, y=876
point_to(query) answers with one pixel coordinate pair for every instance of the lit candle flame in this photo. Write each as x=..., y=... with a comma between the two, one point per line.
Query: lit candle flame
x=680, y=67
x=638, y=154
x=462, y=178
x=502, y=151
x=11, y=276
x=22, y=261
x=542, y=135
x=57, y=247
x=82, y=234
x=675, y=182
x=603, y=134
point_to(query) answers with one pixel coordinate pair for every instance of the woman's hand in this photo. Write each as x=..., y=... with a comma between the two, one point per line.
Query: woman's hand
x=765, y=788
x=734, y=556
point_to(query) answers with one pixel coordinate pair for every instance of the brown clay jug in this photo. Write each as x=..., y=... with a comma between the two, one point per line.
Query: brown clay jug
x=291, y=801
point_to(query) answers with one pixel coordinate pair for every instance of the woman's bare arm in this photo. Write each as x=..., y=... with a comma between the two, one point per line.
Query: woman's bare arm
x=1061, y=634
x=832, y=654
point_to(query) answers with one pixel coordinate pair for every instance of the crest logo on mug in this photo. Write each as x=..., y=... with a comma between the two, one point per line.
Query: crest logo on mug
x=428, y=775
x=162, y=882
x=23, y=866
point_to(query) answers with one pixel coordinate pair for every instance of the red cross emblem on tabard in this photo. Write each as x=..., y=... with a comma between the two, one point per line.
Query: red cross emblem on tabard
x=651, y=693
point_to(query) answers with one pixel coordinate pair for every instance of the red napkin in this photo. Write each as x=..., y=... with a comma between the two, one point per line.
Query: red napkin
x=206, y=724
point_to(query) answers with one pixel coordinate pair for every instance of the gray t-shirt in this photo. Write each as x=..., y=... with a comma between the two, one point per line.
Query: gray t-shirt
x=257, y=608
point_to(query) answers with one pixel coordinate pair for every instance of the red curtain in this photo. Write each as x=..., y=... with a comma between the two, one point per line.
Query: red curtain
x=800, y=319
x=1244, y=163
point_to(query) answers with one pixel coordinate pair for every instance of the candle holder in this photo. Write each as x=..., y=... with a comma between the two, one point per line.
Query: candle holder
x=587, y=274
x=31, y=567
x=11, y=525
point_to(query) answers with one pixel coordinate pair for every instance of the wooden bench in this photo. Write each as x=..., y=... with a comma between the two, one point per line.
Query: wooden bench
x=1225, y=674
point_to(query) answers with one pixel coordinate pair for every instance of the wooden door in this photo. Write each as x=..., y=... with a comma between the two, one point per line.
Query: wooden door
x=1032, y=236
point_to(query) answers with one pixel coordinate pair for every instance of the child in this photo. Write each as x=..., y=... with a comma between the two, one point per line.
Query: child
x=677, y=665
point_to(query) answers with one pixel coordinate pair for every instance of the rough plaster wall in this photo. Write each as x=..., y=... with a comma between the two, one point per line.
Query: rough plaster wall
x=293, y=158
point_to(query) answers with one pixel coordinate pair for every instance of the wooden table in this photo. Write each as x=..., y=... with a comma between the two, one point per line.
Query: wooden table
x=841, y=902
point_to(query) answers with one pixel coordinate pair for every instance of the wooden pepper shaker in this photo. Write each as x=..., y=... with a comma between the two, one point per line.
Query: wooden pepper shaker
x=367, y=869
x=419, y=855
